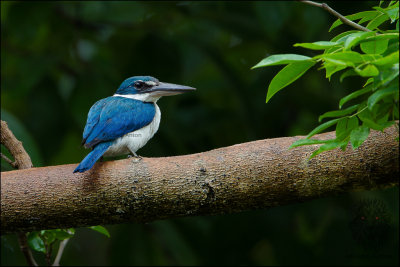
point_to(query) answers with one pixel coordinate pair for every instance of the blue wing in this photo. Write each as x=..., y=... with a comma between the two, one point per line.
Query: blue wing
x=113, y=117
x=93, y=118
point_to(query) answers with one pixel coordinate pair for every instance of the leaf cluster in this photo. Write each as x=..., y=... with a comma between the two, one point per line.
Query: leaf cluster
x=372, y=55
x=44, y=240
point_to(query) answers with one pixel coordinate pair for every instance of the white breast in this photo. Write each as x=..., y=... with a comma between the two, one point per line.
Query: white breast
x=136, y=139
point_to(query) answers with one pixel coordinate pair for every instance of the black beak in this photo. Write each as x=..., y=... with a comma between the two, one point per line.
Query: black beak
x=168, y=89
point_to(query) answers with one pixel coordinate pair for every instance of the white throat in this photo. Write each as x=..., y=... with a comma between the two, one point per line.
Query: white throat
x=146, y=97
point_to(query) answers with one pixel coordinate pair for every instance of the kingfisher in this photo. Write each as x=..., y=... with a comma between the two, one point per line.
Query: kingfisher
x=123, y=123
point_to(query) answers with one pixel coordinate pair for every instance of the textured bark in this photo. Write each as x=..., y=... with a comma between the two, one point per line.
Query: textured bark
x=22, y=161
x=246, y=176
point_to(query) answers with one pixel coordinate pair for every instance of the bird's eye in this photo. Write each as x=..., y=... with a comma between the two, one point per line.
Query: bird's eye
x=139, y=84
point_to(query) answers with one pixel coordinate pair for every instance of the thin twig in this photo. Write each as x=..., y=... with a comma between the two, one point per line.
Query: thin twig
x=48, y=253
x=358, y=112
x=60, y=252
x=9, y=161
x=336, y=14
x=23, y=244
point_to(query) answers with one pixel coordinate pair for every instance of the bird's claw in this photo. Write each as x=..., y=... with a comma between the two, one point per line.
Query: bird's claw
x=135, y=157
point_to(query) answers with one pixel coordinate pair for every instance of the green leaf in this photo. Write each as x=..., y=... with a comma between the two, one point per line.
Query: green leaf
x=388, y=60
x=338, y=113
x=303, y=142
x=36, y=242
x=281, y=59
x=367, y=58
x=382, y=93
x=383, y=36
x=348, y=73
x=371, y=16
x=332, y=68
x=393, y=47
x=344, y=127
x=383, y=111
x=341, y=37
x=367, y=118
x=48, y=235
x=354, y=38
x=358, y=136
x=392, y=11
x=62, y=234
x=377, y=21
x=371, y=124
x=352, y=123
x=370, y=80
x=361, y=15
x=100, y=229
x=287, y=75
x=355, y=94
x=322, y=127
x=344, y=143
x=328, y=146
x=341, y=127
x=375, y=47
x=321, y=45
x=387, y=124
x=396, y=111
x=349, y=57
x=386, y=76
x=367, y=71
x=329, y=63
x=393, y=14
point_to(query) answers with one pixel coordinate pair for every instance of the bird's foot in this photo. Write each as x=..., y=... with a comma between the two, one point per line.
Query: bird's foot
x=135, y=157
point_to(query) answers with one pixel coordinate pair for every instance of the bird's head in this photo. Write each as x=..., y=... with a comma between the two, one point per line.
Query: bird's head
x=149, y=89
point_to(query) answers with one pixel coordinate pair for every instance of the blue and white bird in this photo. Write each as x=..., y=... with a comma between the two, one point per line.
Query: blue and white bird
x=123, y=123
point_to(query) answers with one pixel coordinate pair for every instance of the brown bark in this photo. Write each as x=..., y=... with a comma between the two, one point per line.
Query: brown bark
x=246, y=176
x=22, y=161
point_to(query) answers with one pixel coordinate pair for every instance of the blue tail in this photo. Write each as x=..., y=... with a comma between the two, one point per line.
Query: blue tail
x=92, y=157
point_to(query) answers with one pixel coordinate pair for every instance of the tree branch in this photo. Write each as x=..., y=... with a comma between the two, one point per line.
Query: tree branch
x=246, y=176
x=22, y=161
x=336, y=14
x=9, y=161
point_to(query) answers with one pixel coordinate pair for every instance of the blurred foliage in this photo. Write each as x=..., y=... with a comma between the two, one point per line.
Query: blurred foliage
x=59, y=58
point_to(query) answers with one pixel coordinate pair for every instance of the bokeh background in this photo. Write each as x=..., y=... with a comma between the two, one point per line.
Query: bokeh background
x=59, y=58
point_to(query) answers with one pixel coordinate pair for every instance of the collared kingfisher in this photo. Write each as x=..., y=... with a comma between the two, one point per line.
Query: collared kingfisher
x=123, y=123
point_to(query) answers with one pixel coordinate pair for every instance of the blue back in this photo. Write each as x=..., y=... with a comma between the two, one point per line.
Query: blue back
x=113, y=117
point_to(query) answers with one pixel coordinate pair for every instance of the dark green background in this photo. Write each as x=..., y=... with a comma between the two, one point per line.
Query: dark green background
x=58, y=59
